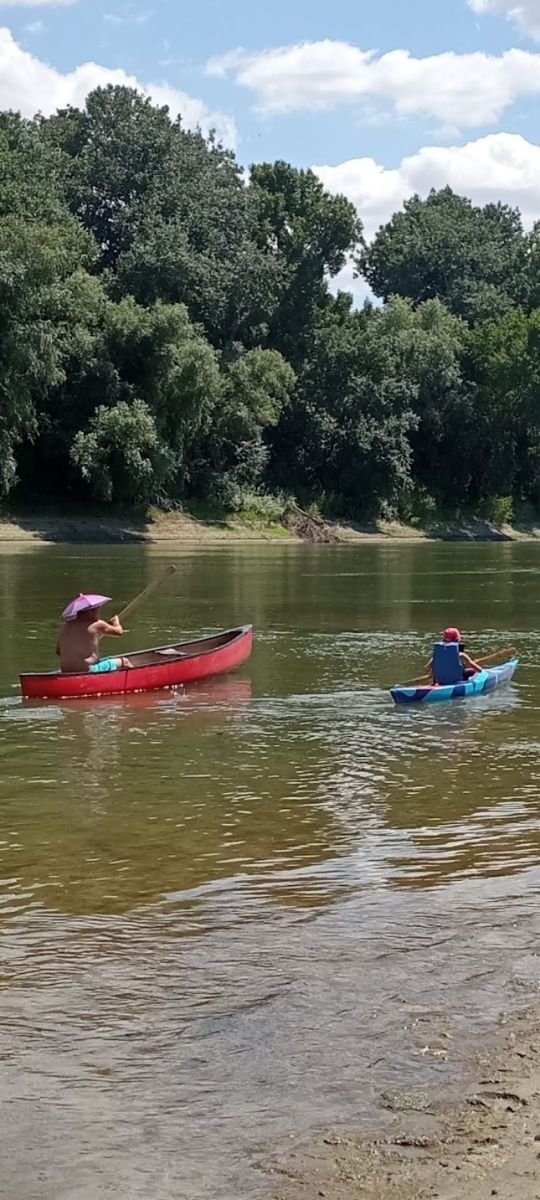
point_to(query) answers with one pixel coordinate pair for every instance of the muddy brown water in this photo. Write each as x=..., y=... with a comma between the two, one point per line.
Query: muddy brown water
x=234, y=913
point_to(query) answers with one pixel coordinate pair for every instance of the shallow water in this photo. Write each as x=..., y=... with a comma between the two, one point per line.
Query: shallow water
x=231, y=913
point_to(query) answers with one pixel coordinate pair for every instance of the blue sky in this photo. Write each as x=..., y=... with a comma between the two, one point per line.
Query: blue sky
x=383, y=98
x=172, y=40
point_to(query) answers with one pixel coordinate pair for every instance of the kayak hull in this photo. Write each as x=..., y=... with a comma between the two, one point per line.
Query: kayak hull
x=484, y=681
x=162, y=667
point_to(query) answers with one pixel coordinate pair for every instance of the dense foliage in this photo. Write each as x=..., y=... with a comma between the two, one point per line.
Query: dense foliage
x=168, y=330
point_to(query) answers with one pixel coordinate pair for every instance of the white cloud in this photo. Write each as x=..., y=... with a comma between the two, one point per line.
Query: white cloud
x=31, y=86
x=459, y=90
x=119, y=20
x=525, y=15
x=346, y=281
x=502, y=166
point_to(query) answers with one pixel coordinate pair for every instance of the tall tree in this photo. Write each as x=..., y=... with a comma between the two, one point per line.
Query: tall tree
x=428, y=346
x=310, y=233
x=120, y=456
x=346, y=437
x=117, y=145
x=152, y=357
x=33, y=172
x=41, y=277
x=505, y=365
x=257, y=389
x=445, y=248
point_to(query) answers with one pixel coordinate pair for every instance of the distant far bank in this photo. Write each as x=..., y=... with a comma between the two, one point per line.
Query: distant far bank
x=177, y=528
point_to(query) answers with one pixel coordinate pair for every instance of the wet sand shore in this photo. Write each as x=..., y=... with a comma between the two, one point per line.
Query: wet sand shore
x=484, y=1145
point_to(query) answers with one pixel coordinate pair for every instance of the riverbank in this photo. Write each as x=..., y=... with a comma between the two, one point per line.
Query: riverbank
x=183, y=528
x=486, y=1145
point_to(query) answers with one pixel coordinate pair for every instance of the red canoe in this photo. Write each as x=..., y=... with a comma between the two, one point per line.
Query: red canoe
x=163, y=667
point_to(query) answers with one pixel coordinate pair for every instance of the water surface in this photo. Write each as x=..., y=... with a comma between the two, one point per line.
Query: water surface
x=231, y=913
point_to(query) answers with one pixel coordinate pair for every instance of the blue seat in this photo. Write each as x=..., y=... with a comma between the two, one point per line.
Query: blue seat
x=447, y=666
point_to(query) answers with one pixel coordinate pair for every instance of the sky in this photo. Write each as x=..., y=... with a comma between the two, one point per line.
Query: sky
x=383, y=98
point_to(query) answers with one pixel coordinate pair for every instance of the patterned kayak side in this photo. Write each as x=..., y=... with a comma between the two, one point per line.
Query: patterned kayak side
x=485, y=681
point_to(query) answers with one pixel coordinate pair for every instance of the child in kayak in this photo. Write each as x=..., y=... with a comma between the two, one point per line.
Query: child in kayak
x=450, y=664
x=80, y=634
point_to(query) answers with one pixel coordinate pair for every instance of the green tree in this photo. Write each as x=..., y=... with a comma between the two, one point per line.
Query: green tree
x=161, y=358
x=445, y=248
x=40, y=269
x=428, y=345
x=504, y=361
x=32, y=172
x=119, y=354
x=84, y=376
x=257, y=388
x=167, y=327
x=346, y=437
x=117, y=145
x=529, y=296
x=169, y=211
x=120, y=456
x=231, y=292
x=310, y=234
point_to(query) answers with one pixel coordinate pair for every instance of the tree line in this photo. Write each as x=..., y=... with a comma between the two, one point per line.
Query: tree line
x=168, y=332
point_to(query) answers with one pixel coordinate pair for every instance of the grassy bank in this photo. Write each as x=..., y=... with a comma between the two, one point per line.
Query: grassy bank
x=46, y=527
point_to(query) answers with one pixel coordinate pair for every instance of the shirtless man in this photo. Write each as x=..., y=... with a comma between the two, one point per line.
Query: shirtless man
x=78, y=643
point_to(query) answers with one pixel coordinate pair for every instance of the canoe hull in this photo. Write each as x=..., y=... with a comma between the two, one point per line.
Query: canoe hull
x=485, y=681
x=152, y=670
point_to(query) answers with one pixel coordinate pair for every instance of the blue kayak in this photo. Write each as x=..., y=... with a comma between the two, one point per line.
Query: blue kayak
x=484, y=681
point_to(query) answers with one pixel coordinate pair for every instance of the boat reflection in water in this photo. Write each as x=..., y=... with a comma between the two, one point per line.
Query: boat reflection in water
x=196, y=698
x=103, y=738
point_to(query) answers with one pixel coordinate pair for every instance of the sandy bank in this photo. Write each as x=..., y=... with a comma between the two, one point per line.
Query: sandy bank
x=183, y=529
x=486, y=1145
x=176, y=528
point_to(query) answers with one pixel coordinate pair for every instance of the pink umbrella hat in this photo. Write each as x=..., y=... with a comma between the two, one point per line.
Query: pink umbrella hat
x=84, y=603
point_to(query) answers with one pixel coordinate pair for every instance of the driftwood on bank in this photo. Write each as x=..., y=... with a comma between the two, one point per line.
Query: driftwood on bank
x=310, y=529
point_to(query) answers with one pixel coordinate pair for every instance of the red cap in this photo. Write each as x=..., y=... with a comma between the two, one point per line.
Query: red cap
x=451, y=635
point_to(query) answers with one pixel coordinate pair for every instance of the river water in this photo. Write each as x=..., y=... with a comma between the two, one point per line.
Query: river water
x=234, y=913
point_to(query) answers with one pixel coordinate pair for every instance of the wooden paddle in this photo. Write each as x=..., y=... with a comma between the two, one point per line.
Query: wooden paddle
x=510, y=652
x=147, y=591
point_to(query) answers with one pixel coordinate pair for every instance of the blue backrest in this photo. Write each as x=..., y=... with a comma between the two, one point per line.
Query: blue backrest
x=447, y=666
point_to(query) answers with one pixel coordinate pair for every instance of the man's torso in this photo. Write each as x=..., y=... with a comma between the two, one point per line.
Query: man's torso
x=79, y=648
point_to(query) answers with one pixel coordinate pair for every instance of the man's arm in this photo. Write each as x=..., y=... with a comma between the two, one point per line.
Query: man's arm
x=111, y=628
